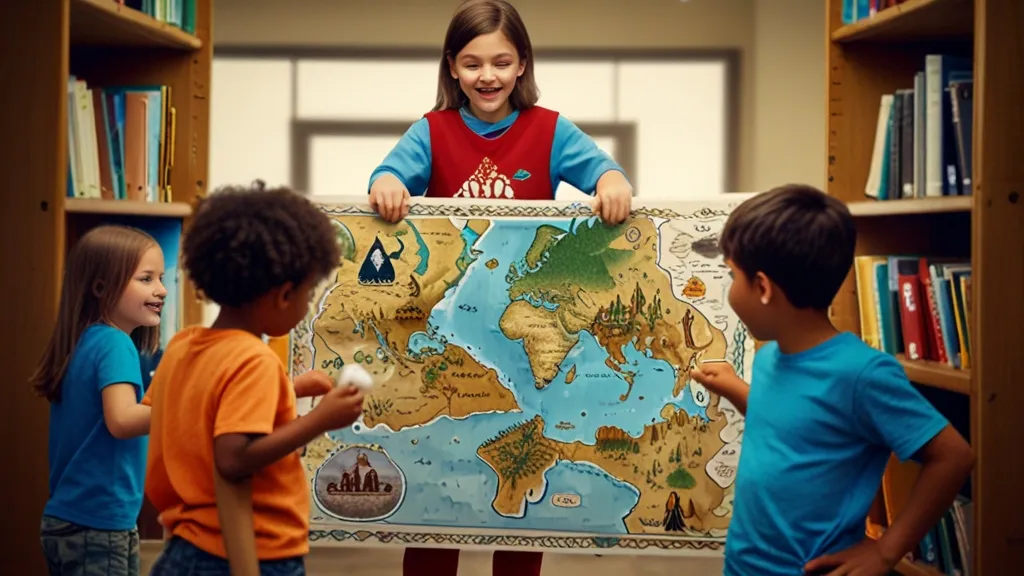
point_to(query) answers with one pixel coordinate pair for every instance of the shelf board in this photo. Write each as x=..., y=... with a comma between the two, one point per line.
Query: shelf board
x=911, y=206
x=127, y=207
x=937, y=375
x=107, y=23
x=913, y=20
x=907, y=568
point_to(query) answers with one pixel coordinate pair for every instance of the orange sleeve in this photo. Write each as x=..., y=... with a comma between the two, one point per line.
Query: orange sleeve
x=147, y=400
x=249, y=400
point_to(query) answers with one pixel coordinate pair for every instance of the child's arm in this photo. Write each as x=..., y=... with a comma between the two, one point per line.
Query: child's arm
x=720, y=378
x=312, y=383
x=238, y=455
x=889, y=411
x=946, y=462
x=234, y=509
x=119, y=376
x=576, y=159
x=405, y=171
x=124, y=416
x=409, y=160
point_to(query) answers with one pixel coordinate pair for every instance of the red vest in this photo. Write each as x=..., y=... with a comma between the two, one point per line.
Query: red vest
x=513, y=166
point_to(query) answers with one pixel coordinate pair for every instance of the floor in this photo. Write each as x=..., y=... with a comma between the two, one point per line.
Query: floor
x=385, y=562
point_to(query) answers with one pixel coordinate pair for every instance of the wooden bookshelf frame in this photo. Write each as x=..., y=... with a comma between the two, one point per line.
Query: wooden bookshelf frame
x=876, y=56
x=102, y=42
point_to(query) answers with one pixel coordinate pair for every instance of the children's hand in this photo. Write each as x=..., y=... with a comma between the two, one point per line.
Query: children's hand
x=313, y=383
x=389, y=198
x=719, y=377
x=339, y=408
x=863, y=559
x=613, y=197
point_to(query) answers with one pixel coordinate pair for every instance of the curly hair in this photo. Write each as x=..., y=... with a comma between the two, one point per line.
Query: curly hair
x=245, y=241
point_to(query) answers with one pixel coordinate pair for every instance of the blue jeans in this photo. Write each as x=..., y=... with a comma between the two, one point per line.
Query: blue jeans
x=74, y=550
x=181, y=558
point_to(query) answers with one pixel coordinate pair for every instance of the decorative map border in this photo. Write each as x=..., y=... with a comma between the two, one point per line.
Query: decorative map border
x=614, y=544
x=545, y=541
x=524, y=209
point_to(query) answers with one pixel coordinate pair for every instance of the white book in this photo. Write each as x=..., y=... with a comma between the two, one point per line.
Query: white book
x=880, y=154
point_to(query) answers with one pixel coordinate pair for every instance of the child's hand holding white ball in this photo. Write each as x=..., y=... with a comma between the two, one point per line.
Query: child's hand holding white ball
x=355, y=375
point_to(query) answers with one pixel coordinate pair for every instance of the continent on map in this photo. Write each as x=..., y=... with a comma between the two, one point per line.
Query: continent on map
x=375, y=313
x=603, y=280
x=666, y=465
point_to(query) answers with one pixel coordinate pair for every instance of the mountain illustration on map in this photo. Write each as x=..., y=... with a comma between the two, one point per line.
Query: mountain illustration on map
x=531, y=371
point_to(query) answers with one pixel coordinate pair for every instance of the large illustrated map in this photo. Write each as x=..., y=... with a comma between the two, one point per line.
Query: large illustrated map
x=531, y=380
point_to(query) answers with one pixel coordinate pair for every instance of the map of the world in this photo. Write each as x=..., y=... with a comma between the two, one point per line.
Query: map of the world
x=530, y=368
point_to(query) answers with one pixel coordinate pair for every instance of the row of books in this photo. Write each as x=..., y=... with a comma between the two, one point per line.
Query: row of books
x=920, y=307
x=120, y=142
x=947, y=546
x=178, y=13
x=857, y=10
x=923, y=142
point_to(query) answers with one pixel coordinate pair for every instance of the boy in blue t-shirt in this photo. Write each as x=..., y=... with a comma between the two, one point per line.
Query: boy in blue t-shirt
x=824, y=410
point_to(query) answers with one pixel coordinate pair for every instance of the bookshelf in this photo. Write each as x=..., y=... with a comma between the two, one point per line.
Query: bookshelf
x=106, y=44
x=879, y=55
x=127, y=207
x=911, y=206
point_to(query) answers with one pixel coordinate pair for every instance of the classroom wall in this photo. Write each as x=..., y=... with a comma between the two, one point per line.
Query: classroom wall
x=788, y=93
x=781, y=113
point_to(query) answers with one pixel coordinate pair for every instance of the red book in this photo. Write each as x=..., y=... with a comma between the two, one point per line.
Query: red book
x=936, y=347
x=912, y=313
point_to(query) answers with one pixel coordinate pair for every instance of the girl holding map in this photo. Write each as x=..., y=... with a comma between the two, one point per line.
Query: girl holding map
x=486, y=139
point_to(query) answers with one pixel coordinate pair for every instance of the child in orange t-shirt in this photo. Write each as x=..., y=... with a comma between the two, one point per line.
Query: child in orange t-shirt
x=222, y=400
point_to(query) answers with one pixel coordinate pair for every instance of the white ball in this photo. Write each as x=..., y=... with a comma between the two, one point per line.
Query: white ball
x=355, y=375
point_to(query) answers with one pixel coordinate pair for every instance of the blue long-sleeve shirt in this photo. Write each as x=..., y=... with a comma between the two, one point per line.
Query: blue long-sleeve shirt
x=575, y=157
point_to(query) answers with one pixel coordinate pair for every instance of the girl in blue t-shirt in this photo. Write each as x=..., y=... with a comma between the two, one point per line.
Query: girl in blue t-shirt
x=111, y=299
x=486, y=95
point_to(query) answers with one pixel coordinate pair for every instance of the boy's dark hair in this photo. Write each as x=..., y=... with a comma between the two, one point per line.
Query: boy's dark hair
x=245, y=241
x=799, y=237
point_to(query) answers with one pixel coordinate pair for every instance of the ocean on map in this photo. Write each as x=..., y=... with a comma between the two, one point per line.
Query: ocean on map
x=448, y=484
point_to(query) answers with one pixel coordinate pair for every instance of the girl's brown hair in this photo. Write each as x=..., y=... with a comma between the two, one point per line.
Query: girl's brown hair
x=98, y=270
x=476, y=18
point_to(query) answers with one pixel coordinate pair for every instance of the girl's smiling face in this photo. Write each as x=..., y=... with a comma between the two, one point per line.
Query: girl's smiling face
x=143, y=298
x=487, y=69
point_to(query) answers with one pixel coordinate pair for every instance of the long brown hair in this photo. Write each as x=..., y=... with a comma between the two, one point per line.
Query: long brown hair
x=476, y=18
x=98, y=269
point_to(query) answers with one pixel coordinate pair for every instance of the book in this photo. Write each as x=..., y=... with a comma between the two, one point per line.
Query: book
x=922, y=145
x=917, y=306
x=120, y=141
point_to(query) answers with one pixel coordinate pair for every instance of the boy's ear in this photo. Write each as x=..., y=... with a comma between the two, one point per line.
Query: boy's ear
x=764, y=288
x=284, y=295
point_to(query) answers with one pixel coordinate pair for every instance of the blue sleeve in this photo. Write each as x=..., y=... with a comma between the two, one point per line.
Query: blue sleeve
x=891, y=412
x=118, y=361
x=409, y=160
x=576, y=159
